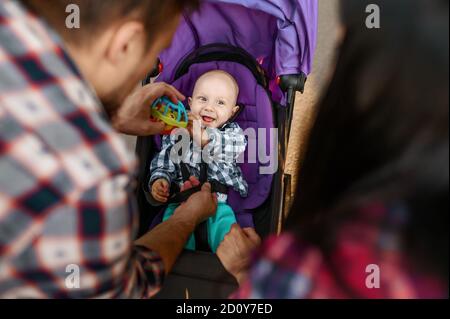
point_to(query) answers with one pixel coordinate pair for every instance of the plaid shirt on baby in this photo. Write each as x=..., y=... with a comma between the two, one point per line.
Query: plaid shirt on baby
x=67, y=211
x=226, y=146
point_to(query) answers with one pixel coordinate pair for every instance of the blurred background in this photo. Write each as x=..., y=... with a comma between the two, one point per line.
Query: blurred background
x=304, y=115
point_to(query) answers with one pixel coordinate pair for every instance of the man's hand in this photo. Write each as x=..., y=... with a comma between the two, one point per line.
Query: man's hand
x=169, y=238
x=236, y=249
x=200, y=206
x=161, y=190
x=133, y=117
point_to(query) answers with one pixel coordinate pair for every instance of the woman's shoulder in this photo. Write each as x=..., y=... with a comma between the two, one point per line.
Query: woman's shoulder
x=286, y=268
x=366, y=260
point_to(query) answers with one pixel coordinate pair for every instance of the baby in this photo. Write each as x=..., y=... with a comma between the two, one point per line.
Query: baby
x=213, y=105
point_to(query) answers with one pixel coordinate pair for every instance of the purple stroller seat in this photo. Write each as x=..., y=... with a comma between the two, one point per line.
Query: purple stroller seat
x=257, y=114
x=279, y=37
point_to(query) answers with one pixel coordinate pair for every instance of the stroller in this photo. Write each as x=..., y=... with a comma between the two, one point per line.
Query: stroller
x=268, y=46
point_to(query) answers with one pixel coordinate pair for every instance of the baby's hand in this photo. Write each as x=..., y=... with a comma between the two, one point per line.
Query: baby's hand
x=160, y=190
x=200, y=137
x=192, y=119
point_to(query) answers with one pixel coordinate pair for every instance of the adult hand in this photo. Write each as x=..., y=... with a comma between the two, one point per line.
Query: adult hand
x=133, y=117
x=200, y=206
x=169, y=238
x=236, y=249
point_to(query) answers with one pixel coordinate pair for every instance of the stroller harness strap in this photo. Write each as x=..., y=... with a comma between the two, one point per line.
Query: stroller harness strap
x=201, y=232
x=216, y=187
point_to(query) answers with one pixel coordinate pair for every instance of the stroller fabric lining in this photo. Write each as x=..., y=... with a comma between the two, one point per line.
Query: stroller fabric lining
x=257, y=115
x=280, y=36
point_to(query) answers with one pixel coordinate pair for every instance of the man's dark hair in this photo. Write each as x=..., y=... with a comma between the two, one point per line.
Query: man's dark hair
x=97, y=14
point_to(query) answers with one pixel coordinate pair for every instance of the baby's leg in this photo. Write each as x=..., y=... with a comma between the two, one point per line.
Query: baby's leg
x=169, y=213
x=220, y=225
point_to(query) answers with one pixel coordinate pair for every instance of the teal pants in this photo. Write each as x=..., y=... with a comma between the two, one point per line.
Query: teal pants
x=218, y=226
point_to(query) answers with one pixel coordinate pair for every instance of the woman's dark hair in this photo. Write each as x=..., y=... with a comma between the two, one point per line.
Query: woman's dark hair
x=382, y=131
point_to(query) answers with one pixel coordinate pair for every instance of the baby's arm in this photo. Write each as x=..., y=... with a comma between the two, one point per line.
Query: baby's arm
x=163, y=172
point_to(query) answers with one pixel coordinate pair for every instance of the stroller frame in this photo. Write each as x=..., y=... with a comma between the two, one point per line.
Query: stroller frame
x=187, y=279
x=270, y=216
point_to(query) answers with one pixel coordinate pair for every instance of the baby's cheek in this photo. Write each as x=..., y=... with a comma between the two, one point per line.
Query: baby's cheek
x=195, y=109
x=223, y=113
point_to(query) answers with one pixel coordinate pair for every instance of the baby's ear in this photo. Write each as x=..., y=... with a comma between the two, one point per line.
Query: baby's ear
x=190, y=102
x=236, y=109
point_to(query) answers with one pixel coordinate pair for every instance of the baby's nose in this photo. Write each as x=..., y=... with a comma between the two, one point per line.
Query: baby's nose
x=209, y=108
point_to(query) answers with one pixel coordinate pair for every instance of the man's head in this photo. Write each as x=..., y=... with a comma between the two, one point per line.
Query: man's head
x=215, y=98
x=118, y=40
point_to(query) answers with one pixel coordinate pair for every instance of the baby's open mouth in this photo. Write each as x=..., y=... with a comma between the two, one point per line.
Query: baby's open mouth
x=207, y=119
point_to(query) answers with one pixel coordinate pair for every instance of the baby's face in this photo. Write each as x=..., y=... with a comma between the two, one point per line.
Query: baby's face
x=214, y=99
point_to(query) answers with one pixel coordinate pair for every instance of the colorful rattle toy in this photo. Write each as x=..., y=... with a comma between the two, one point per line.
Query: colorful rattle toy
x=175, y=116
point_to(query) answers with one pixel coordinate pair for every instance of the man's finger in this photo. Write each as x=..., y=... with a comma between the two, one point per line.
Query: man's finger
x=186, y=186
x=235, y=229
x=194, y=181
x=155, y=91
x=206, y=187
x=150, y=94
x=153, y=128
x=240, y=236
x=252, y=235
x=173, y=93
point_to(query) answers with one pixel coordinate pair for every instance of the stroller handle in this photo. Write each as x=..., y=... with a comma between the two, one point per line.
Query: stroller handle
x=295, y=82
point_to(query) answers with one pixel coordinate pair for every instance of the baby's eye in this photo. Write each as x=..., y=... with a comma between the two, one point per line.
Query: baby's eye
x=203, y=99
x=221, y=103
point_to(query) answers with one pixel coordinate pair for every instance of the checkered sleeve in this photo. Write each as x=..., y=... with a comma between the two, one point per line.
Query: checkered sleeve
x=90, y=233
x=46, y=233
x=110, y=265
x=162, y=166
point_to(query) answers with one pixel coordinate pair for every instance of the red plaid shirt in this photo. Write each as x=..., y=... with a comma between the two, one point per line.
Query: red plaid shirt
x=67, y=211
x=367, y=246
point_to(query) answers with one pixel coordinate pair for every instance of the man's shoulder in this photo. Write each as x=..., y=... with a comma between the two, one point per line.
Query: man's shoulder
x=77, y=152
x=51, y=122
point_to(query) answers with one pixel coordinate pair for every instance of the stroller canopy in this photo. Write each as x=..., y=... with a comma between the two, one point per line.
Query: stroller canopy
x=279, y=34
x=296, y=22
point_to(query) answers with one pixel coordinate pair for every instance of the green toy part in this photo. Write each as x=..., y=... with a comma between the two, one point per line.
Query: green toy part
x=175, y=116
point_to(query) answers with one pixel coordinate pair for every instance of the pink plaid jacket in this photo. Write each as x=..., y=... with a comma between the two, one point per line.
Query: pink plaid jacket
x=367, y=261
